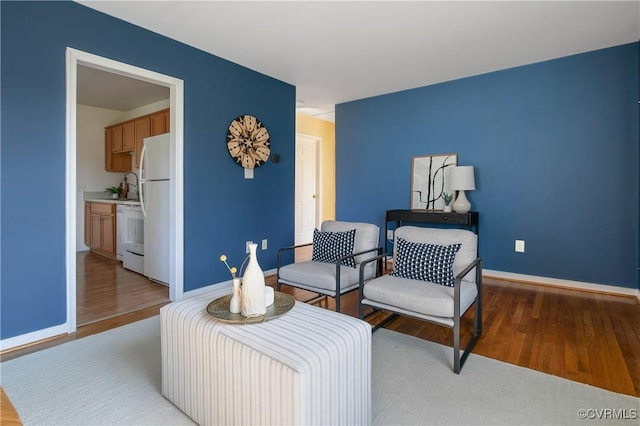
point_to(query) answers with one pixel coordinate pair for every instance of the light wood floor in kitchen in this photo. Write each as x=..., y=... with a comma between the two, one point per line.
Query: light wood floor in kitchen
x=105, y=289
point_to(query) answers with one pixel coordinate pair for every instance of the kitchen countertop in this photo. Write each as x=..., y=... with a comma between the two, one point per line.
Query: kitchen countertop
x=126, y=201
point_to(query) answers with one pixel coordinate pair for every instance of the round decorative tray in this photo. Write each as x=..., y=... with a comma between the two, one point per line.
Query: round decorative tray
x=219, y=309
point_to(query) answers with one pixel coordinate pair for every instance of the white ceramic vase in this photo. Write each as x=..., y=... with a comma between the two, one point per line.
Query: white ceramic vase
x=235, y=302
x=253, y=301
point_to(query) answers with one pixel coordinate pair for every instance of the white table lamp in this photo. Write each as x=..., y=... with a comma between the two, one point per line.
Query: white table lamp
x=461, y=179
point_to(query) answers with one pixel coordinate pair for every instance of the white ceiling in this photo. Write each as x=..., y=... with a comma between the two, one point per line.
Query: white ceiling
x=102, y=89
x=339, y=51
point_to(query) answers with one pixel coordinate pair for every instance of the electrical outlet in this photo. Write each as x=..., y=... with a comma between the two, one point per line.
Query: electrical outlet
x=519, y=246
x=264, y=244
x=390, y=234
x=246, y=248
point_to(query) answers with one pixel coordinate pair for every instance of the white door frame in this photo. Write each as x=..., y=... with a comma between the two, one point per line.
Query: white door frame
x=318, y=144
x=74, y=58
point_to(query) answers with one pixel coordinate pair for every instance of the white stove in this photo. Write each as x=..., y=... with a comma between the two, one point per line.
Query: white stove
x=130, y=241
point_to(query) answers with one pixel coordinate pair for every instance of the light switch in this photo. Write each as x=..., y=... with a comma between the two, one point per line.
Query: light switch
x=519, y=246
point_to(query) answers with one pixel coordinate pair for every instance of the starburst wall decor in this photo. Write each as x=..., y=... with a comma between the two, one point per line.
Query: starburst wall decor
x=248, y=141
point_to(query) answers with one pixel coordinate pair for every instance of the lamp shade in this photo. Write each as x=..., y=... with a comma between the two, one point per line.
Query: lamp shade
x=461, y=179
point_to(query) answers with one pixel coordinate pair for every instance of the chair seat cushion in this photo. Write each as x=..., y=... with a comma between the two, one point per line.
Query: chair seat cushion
x=320, y=275
x=422, y=297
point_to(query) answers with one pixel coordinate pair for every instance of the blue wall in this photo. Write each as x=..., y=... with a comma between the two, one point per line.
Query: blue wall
x=555, y=146
x=222, y=210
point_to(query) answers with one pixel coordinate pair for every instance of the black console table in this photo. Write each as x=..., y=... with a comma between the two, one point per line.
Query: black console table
x=436, y=217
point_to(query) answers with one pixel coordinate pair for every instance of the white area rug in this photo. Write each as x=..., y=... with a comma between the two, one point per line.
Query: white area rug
x=114, y=378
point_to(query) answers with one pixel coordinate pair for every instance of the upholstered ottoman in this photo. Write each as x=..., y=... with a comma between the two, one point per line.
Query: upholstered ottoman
x=309, y=366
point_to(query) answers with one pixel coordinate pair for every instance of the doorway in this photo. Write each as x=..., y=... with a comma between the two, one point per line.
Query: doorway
x=307, y=187
x=76, y=58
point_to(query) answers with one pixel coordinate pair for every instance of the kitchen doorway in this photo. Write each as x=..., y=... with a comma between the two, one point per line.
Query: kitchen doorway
x=77, y=59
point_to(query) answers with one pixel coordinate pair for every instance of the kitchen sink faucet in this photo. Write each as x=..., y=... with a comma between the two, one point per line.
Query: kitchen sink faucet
x=130, y=184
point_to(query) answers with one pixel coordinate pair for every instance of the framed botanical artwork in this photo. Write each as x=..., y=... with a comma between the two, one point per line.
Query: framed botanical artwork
x=430, y=180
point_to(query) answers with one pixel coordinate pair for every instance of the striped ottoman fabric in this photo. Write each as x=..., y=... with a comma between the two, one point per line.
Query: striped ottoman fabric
x=309, y=366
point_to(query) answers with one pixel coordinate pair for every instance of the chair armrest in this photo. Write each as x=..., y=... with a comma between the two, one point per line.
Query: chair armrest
x=361, y=277
x=468, y=268
x=283, y=249
x=458, y=283
x=369, y=260
x=339, y=260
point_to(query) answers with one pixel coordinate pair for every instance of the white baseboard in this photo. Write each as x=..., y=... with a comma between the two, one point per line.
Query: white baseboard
x=204, y=290
x=558, y=282
x=217, y=286
x=34, y=336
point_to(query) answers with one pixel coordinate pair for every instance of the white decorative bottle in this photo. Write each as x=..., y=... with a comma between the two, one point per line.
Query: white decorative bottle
x=253, y=302
x=235, y=302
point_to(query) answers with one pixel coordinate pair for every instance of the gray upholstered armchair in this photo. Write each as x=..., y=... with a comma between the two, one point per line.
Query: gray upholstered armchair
x=338, y=250
x=436, y=277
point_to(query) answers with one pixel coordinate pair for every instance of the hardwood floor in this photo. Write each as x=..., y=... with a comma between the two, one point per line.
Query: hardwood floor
x=585, y=337
x=591, y=338
x=105, y=289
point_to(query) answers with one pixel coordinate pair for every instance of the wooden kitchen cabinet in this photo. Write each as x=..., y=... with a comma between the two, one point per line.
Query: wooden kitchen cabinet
x=123, y=137
x=95, y=238
x=108, y=229
x=159, y=122
x=142, y=130
x=87, y=224
x=102, y=228
x=116, y=143
x=115, y=161
x=108, y=147
x=128, y=136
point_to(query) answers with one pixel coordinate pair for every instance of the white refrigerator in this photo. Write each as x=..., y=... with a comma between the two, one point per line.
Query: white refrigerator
x=155, y=190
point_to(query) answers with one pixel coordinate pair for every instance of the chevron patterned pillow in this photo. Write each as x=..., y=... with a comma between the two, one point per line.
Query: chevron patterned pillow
x=425, y=262
x=330, y=246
